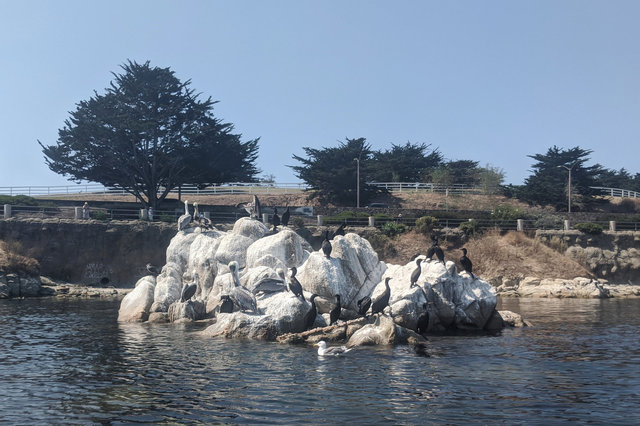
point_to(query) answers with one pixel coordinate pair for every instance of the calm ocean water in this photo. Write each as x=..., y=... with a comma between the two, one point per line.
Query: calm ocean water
x=70, y=362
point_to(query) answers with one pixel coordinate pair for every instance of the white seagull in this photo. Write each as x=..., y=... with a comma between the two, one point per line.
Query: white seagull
x=332, y=351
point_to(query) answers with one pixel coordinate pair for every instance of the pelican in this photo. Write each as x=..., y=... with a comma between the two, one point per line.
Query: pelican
x=242, y=297
x=253, y=208
x=268, y=285
x=333, y=351
x=189, y=290
x=203, y=222
x=185, y=219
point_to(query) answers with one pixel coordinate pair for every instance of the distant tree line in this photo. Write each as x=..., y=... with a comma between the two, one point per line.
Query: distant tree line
x=149, y=133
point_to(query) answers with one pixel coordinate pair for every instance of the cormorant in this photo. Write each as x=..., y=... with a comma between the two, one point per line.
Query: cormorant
x=185, y=219
x=310, y=316
x=334, y=314
x=466, y=263
x=275, y=220
x=382, y=301
x=435, y=249
x=294, y=284
x=333, y=351
x=423, y=320
x=363, y=306
x=226, y=307
x=152, y=270
x=189, y=290
x=326, y=245
x=416, y=272
x=285, y=217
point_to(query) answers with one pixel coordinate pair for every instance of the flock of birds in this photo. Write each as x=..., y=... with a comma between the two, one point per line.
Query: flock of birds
x=244, y=299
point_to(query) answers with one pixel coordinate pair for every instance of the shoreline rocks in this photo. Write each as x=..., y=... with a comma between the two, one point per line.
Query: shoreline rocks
x=585, y=288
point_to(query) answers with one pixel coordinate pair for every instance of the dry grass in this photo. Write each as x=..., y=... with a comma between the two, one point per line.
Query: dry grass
x=13, y=262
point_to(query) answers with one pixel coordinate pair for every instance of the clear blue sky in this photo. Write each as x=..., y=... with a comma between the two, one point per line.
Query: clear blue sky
x=491, y=81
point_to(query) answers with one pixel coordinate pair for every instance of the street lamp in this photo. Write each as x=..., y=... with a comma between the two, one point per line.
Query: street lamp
x=357, y=160
x=569, y=186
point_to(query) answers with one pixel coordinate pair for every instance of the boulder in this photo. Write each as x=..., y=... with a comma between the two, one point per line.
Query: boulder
x=576, y=288
x=136, y=305
x=286, y=246
x=250, y=228
x=384, y=332
x=233, y=247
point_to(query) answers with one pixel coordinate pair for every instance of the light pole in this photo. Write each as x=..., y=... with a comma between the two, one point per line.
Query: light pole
x=569, y=186
x=357, y=160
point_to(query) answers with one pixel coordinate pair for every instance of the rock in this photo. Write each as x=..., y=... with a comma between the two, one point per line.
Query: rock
x=513, y=319
x=191, y=310
x=250, y=228
x=576, y=288
x=168, y=287
x=233, y=247
x=14, y=285
x=136, y=305
x=384, y=332
x=286, y=246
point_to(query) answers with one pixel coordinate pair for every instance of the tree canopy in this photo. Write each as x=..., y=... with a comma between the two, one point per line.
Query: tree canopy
x=405, y=163
x=548, y=185
x=148, y=134
x=332, y=172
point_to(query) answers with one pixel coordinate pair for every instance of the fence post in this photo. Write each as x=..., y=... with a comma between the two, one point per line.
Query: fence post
x=320, y=220
x=520, y=225
x=78, y=212
x=612, y=225
x=7, y=211
x=567, y=225
x=372, y=221
x=144, y=214
x=207, y=215
x=265, y=218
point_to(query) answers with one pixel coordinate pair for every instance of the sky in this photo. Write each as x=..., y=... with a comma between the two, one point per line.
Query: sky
x=490, y=81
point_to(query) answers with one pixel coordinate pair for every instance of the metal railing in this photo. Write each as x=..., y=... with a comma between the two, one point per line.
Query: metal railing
x=617, y=192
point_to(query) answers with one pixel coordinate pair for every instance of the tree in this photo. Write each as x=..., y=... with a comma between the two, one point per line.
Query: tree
x=148, y=134
x=332, y=172
x=405, y=163
x=460, y=172
x=548, y=185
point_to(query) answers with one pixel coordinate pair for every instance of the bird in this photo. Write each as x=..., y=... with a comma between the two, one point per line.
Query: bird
x=332, y=351
x=423, y=320
x=185, y=219
x=340, y=230
x=435, y=250
x=189, y=289
x=326, y=245
x=252, y=208
x=283, y=277
x=334, y=314
x=310, y=316
x=285, y=217
x=269, y=285
x=226, y=307
x=363, y=306
x=294, y=284
x=466, y=263
x=198, y=217
x=275, y=219
x=416, y=272
x=152, y=270
x=240, y=296
x=382, y=301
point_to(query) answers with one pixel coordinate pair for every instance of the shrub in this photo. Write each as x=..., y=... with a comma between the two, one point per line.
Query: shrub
x=344, y=215
x=99, y=215
x=298, y=222
x=167, y=218
x=470, y=227
x=426, y=224
x=589, y=228
x=507, y=212
x=391, y=229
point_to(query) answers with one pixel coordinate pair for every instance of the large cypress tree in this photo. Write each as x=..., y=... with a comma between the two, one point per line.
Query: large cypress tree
x=148, y=134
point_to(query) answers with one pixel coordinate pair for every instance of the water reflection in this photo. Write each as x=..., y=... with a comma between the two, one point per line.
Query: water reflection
x=70, y=361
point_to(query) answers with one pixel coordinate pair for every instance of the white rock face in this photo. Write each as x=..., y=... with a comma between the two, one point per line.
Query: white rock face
x=576, y=288
x=353, y=271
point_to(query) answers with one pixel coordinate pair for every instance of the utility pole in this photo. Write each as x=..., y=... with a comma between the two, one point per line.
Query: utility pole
x=569, y=186
x=357, y=160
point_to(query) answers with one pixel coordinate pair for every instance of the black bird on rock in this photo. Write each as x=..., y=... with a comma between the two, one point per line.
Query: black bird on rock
x=334, y=315
x=416, y=272
x=226, y=307
x=275, y=220
x=466, y=263
x=382, y=301
x=294, y=284
x=189, y=290
x=326, y=245
x=310, y=316
x=423, y=321
x=435, y=250
x=363, y=306
x=285, y=217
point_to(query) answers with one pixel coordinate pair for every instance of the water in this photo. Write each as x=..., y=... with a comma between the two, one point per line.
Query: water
x=70, y=362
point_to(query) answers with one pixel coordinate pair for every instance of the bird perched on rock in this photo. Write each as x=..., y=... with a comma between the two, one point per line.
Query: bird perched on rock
x=189, y=290
x=285, y=217
x=435, y=250
x=326, y=245
x=423, y=320
x=363, y=306
x=323, y=349
x=240, y=296
x=275, y=219
x=185, y=219
x=294, y=284
x=199, y=219
x=152, y=270
x=416, y=272
x=269, y=285
x=340, y=230
x=382, y=301
x=466, y=263
x=226, y=305
x=253, y=208
x=334, y=314
x=310, y=316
